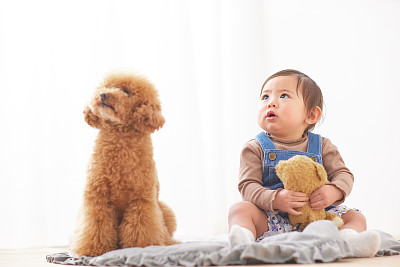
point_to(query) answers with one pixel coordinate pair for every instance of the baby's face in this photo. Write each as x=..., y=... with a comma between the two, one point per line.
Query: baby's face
x=282, y=112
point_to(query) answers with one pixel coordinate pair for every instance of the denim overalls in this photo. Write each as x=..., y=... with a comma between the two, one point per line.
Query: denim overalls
x=272, y=156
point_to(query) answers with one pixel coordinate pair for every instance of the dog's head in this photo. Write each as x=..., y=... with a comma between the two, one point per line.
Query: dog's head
x=125, y=102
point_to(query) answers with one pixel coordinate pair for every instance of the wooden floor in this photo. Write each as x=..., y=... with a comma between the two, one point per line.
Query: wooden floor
x=37, y=258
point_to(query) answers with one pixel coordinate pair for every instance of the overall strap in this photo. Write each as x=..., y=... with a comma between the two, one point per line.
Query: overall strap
x=314, y=144
x=264, y=141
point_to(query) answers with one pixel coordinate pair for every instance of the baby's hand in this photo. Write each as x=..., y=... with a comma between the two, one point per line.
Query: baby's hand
x=325, y=196
x=287, y=201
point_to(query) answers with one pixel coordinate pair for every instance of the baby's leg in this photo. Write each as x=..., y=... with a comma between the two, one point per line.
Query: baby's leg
x=354, y=220
x=246, y=223
x=362, y=243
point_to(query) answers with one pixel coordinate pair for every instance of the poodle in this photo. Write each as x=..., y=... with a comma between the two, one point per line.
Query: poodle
x=120, y=203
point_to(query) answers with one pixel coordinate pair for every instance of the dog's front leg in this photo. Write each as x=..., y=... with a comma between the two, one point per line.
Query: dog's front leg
x=142, y=225
x=98, y=229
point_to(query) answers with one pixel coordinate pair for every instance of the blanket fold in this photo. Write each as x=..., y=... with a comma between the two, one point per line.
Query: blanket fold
x=319, y=242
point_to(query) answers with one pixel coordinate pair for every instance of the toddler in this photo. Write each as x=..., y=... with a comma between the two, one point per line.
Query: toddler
x=290, y=105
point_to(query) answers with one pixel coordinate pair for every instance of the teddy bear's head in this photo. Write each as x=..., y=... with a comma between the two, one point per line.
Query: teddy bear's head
x=301, y=174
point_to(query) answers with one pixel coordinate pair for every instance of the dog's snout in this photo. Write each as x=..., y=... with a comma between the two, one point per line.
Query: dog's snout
x=103, y=96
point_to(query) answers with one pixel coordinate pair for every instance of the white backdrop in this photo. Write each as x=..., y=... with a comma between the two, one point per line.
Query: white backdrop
x=208, y=60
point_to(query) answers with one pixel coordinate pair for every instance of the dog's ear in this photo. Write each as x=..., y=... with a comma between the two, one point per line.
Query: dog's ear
x=150, y=115
x=155, y=119
x=90, y=118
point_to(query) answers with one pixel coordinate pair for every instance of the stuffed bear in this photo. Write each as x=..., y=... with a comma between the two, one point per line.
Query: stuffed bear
x=302, y=174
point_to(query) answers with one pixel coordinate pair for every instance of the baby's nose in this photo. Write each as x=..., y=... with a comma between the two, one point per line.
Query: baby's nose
x=271, y=104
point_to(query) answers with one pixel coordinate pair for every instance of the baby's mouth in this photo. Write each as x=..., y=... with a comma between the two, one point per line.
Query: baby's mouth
x=271, y=115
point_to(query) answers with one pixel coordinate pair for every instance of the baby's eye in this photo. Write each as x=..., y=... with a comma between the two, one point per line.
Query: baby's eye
x=284, y=96
x=264, y=97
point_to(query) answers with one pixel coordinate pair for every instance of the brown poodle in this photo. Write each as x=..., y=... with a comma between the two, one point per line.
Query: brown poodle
x=121, y=207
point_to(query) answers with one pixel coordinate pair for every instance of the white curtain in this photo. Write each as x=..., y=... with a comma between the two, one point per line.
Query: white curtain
x=208, y=60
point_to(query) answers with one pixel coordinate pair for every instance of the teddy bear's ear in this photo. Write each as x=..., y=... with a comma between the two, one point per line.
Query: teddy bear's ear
x=281, y=165
x=320, y=171
x=90, y=118
x=280, y=168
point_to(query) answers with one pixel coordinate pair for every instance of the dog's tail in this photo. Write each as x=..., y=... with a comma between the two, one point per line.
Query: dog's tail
x=169, y=218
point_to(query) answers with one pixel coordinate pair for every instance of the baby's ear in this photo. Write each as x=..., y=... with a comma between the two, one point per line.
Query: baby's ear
x=320, y=171
x=314, y=115
x=90, y=118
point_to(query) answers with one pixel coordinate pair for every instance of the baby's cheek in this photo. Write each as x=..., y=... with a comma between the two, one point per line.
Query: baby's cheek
x=260, y=115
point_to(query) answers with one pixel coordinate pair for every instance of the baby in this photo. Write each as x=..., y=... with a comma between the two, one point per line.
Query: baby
x=290, y=105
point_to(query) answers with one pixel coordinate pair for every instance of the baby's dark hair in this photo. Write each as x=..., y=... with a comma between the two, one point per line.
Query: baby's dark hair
x=311, y=92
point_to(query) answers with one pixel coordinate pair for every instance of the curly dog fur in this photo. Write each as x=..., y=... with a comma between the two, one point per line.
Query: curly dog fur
x=121, y=207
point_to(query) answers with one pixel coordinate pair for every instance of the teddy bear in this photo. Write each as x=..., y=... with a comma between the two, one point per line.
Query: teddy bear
x=302, y=174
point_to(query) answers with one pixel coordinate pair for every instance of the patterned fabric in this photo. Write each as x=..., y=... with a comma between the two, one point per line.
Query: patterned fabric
x=278, y=224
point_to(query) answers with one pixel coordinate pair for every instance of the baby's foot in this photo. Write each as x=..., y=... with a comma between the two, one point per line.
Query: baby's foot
x=364, y=244
x=239, y=235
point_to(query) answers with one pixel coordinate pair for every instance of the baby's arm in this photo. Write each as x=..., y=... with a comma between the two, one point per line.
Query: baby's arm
x=251, y=189
x=287, y=200
x=250, y=177
x=325, y=196
x=340, y=177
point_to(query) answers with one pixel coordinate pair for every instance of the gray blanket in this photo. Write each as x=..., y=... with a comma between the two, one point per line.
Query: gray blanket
x=319, y=242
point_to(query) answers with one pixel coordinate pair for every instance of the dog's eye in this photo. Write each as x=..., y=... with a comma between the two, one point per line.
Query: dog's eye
x=126, y=92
